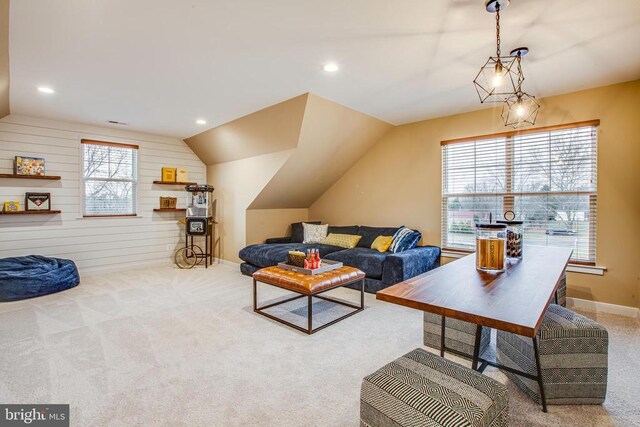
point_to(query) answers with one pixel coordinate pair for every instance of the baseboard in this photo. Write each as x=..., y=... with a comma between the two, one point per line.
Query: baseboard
x=228, y=263
x=125, y=266
x=603, y=307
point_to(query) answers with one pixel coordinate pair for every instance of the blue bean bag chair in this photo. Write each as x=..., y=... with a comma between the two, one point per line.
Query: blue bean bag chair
x=34, y=275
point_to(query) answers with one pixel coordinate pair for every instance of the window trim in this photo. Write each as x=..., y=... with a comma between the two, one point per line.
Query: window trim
x=82, y=177
x=508, y=196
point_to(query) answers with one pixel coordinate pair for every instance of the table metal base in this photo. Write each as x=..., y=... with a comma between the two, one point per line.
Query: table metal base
x=309, y=329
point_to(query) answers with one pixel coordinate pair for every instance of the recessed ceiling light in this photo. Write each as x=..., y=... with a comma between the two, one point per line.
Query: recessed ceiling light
x=45, y=89
x=201, y=122
x=331, y=67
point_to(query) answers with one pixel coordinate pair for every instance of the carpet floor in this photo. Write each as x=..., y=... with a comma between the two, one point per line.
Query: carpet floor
x=163, y=346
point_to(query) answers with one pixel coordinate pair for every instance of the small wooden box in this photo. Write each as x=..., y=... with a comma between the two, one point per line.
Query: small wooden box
x=169, y=174
x=182, y=175
x=168, y=202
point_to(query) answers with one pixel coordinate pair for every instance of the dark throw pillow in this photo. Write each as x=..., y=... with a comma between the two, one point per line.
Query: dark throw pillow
x=405, y=239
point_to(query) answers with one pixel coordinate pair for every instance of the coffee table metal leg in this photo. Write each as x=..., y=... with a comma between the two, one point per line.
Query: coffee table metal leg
x=309, y=314
x=255, y=295
x=536, y=351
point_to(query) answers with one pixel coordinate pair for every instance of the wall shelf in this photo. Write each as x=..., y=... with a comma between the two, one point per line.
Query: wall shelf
x=174, y=183
x=46, y=177
x=31, y=213
x=170, y=209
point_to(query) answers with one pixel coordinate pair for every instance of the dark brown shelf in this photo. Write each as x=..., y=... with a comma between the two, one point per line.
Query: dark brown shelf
x=174, y=183
x=11, y=175
x=30, y=213
x=169, y=210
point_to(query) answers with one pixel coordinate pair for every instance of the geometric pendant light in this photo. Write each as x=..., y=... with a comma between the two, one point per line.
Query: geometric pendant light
x=520, y=108
x=500, y=77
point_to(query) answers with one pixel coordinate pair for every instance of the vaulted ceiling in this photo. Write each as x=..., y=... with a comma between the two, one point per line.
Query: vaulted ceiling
x=158, y=65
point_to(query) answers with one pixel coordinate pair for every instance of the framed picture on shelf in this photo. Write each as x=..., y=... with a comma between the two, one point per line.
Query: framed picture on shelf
x=11, y=206
x=23, y=165
x=37, y=202
x=169, y=174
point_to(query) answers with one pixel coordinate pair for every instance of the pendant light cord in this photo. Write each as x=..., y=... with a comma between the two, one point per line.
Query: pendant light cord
x=498, y=29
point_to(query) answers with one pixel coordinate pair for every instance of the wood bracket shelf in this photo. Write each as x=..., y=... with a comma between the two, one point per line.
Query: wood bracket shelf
x=170, y=209
x=30, y=213
x=45, y=177
x=174, y=183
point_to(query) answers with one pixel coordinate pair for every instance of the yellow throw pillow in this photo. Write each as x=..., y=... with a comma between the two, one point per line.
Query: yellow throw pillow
x=382, y=243
x=343, y=240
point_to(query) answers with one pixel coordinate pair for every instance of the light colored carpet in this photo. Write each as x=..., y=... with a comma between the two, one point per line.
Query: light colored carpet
x=162, y=346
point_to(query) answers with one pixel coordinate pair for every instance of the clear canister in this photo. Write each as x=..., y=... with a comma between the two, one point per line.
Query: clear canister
x=490, y=247
x=514, y=239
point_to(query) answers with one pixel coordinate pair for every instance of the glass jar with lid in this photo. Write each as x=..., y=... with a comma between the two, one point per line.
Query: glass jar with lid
x=514, y=238
x=491, y=247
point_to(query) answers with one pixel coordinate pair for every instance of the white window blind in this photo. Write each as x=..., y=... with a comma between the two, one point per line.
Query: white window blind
x=110, y=174
x=547, y=177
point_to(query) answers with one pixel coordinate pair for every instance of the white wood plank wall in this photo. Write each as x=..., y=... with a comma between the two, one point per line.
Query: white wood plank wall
x=93, y=243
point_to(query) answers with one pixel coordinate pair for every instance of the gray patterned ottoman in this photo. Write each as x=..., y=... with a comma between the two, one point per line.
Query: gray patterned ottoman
x=423, y=389
x=573, y=358
x=561, y=293
x=459, y=335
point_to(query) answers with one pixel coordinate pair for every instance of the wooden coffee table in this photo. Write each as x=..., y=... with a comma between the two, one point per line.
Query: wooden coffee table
x=309, y=286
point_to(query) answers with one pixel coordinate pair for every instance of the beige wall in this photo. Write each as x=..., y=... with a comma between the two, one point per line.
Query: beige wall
x=332, y=139
x=4, y=58
x=237, y=184
x=399, y=181
x=272, y=129
x=265, y=223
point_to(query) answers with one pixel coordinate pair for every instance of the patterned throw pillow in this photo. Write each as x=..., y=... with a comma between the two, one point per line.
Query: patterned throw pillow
x=382, y=243
x=314, y=233
x=405, y=239
x=343, y=240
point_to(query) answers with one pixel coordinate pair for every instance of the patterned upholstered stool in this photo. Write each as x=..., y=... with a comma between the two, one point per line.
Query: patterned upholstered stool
x=573, y=358
x=459, y=335
x=422, y=389
x=561, y=292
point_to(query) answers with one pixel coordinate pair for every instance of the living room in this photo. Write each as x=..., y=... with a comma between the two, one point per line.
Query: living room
x=234, y=213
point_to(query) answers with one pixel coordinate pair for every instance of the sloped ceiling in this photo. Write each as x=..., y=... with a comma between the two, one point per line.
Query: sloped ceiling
x=332, y=139
x=4, y=58
x=272, y=129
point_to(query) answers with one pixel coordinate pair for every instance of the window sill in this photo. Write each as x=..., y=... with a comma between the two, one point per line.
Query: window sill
x=574, y=268
x=110, y=217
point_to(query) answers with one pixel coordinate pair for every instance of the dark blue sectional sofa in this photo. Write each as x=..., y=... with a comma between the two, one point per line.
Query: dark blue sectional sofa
x=381, y=269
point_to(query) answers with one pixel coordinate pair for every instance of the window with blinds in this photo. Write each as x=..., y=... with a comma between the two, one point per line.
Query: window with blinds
x=546, y=176
x=110, y=173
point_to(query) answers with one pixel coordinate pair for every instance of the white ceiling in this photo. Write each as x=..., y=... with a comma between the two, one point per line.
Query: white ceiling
x=160, y=64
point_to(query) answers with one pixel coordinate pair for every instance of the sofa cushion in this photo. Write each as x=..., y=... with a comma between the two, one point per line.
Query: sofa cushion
x=314, y=233
x=347, y=241
x=366, y=259
x=343, y=229
x=382, y=243
x=264, y=255
x=297, y=232
x=405, y=239
x=369, y=234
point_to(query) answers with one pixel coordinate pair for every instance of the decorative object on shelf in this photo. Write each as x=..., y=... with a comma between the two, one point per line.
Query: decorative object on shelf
x=168, y=202
x=28, y=166
x=11, y=206
x=490, y=247
x=182, y=175
x=169, y=174
x=500, y=79
x=296, y=258
x=37, y=202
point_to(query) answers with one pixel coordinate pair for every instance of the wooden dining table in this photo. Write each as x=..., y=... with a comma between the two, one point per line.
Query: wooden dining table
x=514, y=301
